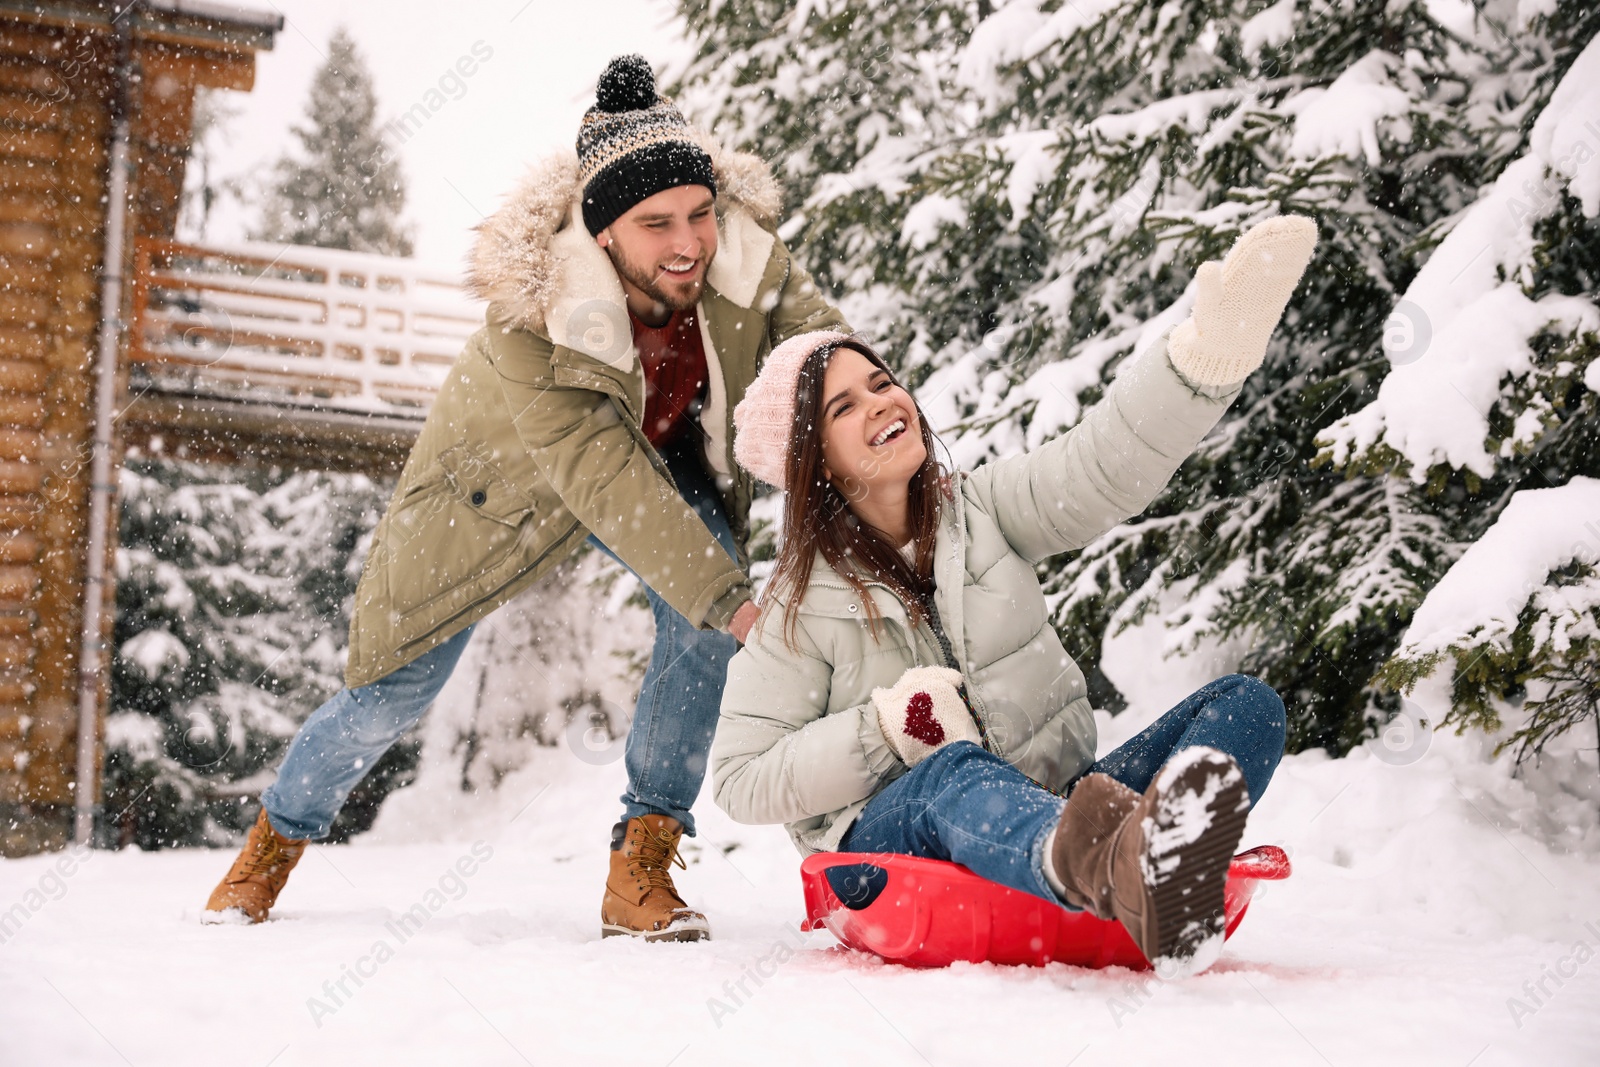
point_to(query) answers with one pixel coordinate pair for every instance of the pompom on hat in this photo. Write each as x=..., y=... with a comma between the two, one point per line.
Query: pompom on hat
x=763, y=419
x=633, y=144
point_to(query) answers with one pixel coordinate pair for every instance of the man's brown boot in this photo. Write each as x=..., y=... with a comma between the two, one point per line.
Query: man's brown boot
x=1162, y=868
x=640, y=899
x=258, y=875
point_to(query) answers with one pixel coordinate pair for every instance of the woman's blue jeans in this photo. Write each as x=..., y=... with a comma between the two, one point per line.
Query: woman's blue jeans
x=669, y=741
x=968, y=805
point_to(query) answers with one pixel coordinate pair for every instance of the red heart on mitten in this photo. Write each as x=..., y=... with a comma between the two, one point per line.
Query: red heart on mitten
x=920, y=722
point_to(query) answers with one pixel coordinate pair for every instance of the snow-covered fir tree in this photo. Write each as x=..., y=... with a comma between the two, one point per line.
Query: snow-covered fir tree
x=1490, y=412
x=233, y=596
x=816, y=89
x=1016, y=204
x=343, y=188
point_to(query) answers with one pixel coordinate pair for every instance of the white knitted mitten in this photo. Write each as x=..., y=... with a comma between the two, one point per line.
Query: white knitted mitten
x=922, y=712
x=1240, y=301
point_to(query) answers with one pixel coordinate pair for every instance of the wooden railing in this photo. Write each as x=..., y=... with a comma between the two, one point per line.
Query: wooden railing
x=291, y=325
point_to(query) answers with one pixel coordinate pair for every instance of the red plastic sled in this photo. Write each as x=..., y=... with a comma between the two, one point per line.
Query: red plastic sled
x=930, y=913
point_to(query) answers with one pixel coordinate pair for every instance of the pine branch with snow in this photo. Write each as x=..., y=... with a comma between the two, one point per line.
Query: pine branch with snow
x=1517, y=619
x=233, y=596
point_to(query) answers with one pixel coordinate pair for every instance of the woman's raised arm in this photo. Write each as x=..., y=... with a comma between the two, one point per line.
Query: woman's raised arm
x=1125, y=449
x=1109, y=467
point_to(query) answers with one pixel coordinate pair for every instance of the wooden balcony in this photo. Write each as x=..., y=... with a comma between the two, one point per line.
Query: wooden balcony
x=287, y=354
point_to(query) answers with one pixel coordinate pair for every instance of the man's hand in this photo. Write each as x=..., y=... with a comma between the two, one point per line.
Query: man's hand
x=743, y=619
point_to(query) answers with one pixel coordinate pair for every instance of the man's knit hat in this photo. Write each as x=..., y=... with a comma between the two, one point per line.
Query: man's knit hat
x=633, y=144
x=762, y=421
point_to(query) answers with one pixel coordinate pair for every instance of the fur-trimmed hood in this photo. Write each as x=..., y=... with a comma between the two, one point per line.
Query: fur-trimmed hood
x=518, y=262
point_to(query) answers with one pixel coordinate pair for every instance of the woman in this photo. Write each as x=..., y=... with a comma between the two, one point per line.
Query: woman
x=903, y=690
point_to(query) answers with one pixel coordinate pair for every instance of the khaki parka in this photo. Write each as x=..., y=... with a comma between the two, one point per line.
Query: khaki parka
x=799, y=741
x=533, y=442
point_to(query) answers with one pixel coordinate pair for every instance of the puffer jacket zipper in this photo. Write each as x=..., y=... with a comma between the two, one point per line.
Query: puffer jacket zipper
x=934, y=624
x=930, y=612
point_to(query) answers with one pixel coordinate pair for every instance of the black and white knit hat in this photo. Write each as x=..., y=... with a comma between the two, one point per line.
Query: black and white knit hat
x=633, y=144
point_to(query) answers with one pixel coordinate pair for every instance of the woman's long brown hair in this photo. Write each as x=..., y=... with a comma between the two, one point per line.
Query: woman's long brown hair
x=817, y=516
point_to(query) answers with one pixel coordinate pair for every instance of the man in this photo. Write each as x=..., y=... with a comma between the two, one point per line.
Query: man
x=633, y=293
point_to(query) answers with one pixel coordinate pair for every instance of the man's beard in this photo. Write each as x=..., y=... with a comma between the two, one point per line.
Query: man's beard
x=649, y=281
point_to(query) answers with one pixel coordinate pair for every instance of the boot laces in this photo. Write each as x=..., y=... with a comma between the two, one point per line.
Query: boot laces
x=271, y=853
x=658, y=852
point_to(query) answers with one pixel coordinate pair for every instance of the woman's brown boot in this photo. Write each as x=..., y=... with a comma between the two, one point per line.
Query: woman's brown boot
x=1085, y=841
x=252, y=885
x=1162, y=868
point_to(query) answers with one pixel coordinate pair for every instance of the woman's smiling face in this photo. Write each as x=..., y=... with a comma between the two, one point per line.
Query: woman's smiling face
x=871, y=438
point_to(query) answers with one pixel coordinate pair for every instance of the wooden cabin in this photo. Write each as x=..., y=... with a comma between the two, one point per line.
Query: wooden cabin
x=61, y=79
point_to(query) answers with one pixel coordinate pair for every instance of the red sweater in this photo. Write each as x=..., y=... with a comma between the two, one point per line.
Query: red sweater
x=675, y=374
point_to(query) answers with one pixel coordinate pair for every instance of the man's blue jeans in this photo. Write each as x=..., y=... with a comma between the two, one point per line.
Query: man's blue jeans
x=968, y=805
x=680, y=699
x=669, y=743
x=345, y=738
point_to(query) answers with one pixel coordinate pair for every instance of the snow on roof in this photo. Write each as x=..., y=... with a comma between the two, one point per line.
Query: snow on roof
x=242, y=16
x=190, y=21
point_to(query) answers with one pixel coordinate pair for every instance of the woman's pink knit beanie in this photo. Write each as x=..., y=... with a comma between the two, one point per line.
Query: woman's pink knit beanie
x=763, y=418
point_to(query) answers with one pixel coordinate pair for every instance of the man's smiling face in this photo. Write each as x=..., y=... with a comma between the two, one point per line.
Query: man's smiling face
x=663, y=246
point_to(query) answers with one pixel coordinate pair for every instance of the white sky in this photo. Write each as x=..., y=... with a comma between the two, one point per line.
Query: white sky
x=524, y=101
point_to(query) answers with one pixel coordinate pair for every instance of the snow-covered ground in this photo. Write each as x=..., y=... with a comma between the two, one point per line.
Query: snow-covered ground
x=1441, y=912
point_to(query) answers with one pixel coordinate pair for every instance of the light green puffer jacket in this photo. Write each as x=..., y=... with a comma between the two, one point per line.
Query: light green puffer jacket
x=799, y=741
